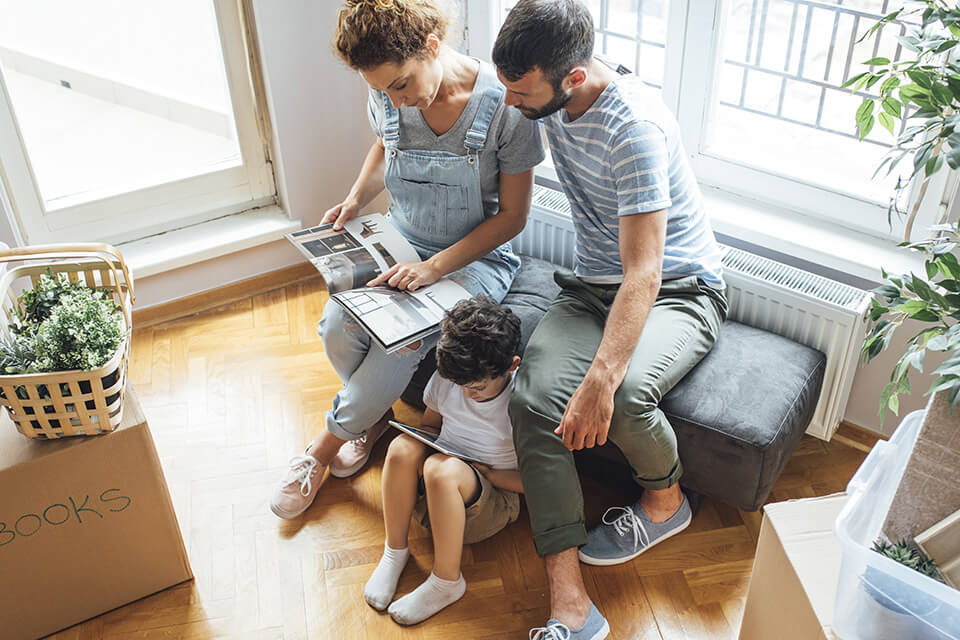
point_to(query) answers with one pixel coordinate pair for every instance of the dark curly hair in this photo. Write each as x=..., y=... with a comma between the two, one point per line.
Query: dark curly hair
x=478, y=340
x=373, y=32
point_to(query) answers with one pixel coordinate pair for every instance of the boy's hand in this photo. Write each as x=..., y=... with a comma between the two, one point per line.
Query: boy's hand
x=482, y=468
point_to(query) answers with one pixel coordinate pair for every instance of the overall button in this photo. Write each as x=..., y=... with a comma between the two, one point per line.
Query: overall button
x=470, y=160
x=393, y=153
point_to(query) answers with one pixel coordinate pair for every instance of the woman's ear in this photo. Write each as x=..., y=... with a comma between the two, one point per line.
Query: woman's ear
x=514, y=364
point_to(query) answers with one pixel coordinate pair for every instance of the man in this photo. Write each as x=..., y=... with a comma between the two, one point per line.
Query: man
x=644, y=306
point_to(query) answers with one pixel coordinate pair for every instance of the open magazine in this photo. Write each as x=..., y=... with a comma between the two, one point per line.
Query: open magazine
x=429, y=438
x=350, y=258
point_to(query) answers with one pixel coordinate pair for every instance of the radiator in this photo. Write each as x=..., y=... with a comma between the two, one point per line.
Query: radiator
x=810, y=309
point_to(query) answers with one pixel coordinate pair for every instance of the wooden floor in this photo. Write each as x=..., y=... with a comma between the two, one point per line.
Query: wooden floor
x=232, y=393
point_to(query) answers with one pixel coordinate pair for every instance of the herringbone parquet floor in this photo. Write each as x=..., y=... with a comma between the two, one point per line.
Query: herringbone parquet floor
x=232, y=393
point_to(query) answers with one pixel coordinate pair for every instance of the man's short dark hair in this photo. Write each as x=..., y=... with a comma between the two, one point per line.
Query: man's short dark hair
x=553, y=35
x=478, y=340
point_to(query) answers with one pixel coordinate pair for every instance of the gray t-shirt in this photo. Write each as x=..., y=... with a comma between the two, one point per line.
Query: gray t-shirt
x=513, y=143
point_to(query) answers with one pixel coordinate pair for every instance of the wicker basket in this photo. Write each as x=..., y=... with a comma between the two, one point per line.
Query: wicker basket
x=77, y=402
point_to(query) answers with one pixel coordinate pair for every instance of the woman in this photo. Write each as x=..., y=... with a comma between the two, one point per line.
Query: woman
x=458, y=166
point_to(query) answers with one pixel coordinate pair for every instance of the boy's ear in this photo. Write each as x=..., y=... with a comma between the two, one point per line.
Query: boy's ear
x=514, y=364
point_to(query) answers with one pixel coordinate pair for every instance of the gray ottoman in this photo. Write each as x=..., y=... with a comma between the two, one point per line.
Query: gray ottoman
x=738, y=415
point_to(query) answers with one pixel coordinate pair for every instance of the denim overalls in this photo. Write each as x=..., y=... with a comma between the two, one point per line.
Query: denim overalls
x=435, y=201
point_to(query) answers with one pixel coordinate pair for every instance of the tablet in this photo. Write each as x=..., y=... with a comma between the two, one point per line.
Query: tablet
x=430, y=439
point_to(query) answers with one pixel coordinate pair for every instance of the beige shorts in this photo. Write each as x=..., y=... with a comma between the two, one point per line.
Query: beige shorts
x=493, y=510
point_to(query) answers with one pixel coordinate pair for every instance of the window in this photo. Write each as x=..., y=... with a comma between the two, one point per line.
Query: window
x=121, y=120
x=756, y=87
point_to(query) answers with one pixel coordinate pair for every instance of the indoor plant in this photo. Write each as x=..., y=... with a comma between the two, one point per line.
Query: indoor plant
x=924, y=89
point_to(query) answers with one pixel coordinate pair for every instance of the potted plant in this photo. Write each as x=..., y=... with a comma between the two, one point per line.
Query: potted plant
x=922, y=92
x=896, y=610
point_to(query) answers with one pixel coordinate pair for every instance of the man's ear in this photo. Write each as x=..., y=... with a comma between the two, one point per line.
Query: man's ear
x=576, y=78
x=514, y=364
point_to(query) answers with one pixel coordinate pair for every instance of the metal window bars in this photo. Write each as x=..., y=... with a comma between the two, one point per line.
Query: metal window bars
x=847, y=20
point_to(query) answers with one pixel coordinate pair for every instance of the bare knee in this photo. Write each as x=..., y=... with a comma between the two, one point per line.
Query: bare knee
x=405, y=450
x=443, y=473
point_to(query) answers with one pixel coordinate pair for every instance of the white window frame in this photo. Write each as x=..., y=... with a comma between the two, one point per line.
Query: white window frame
x=691, y=62
x=164, y=207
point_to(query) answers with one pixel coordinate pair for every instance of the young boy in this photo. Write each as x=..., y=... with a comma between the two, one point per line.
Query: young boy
x=467, y=399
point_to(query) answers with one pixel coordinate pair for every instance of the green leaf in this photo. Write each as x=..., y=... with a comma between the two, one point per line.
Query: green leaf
x=942, y=94
x=889, y=85
x=921, y=78
x=912, y=306
x=933, y=165
x=856, y=78
x=926, y=316
x=892, y=106
x=932, y=268
x=866, y=127
x=864, y=110
x=950, y=261
x=872, y=62
x=894, y=404
x=885, y=120
x=946, y=46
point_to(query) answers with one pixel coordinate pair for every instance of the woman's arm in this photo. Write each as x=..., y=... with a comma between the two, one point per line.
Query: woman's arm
x=368, y=186
x=516, y=190
x=501, y=478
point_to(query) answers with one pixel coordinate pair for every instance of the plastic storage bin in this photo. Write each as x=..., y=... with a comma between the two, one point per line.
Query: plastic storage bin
x=878, y=598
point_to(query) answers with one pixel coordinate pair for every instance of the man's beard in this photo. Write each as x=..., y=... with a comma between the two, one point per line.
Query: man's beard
x=558, y=101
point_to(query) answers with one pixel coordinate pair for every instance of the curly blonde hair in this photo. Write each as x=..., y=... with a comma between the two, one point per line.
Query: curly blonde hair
x=372, y=32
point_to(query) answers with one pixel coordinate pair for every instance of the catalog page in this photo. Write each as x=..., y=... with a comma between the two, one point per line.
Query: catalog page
x=348, y=259
x=396, y=318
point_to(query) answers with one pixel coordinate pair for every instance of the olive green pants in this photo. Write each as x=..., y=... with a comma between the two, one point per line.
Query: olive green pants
x=680, y=329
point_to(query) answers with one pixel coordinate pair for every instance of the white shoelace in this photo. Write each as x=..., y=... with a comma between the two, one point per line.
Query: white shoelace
x=628, y=522
x=359, y=442
x=302, y=469
x=553, y=631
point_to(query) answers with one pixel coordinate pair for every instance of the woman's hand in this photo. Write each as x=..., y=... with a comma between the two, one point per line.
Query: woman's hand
x=346, y=210
x=408, y=276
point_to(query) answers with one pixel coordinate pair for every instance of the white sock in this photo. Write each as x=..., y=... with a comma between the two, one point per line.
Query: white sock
x=382, y=584
x=427, y=599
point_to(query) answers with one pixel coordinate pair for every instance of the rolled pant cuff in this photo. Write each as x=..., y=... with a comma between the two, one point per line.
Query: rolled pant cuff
x=560, y=539
x=661, y=483
x=334, y=428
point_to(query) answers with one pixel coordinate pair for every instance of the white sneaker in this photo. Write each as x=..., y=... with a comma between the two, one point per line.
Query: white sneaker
x=298, y=489
x=354, y=454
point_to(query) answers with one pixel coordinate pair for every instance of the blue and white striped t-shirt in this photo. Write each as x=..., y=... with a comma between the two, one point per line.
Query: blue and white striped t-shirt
x=622, y=157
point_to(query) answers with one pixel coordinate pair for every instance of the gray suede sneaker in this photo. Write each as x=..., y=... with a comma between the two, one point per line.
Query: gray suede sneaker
x=625, y=536
x=595, y=628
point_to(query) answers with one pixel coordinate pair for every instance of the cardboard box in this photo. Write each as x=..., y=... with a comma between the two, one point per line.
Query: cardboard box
x=795, y=572
x=86, y=525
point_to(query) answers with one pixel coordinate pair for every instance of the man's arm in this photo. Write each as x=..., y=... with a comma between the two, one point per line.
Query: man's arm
x=586, y=421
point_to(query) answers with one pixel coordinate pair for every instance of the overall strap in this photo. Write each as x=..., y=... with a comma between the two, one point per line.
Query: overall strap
x=489, y=102
x=391, y=122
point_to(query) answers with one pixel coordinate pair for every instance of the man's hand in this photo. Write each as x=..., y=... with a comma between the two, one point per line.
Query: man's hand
x=408, y=275
x=586, y=421
x=338, y=215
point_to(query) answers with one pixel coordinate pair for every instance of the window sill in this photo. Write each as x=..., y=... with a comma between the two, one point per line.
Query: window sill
x=183, y=247
x=815, y=241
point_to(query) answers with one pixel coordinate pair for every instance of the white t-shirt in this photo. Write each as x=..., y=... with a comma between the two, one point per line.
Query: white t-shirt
x=480, y=429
